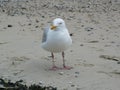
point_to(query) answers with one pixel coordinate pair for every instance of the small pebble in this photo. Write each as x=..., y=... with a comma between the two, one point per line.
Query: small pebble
x=43, y=16
x=118, y=62
x=70, y=82
x=94, y=41
x=81, y=45
x=36, y=26
x=71, y=34
x=76, y=76
x=88, y=28
x=77, y=72
x=9, y=25
x=37, y=21
x=29, y=24
x=41, y=82
x=72, y=85
x=82, y=25
x=61, y=73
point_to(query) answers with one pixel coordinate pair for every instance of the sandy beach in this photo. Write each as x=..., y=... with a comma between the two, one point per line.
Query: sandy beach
x=94, y=54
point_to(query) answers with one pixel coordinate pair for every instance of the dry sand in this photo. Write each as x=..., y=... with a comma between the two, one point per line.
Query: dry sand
x=94, y=54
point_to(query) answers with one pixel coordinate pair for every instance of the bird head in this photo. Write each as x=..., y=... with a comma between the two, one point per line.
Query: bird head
x=57, y=24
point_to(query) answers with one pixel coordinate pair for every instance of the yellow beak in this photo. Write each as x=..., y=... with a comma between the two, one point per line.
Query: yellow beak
x=53, y=27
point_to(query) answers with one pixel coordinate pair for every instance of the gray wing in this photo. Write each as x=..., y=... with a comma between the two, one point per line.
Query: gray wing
x=44, y=37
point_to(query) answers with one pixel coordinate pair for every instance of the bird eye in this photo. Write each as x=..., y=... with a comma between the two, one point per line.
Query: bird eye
x=60, y=23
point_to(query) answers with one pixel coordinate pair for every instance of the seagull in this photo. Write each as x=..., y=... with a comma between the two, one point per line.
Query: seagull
x=56, y=39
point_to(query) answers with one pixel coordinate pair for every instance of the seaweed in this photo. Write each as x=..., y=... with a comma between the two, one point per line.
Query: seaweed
x=8, y=85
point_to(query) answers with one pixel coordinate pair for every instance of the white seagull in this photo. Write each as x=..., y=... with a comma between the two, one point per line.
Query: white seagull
x=56, y=39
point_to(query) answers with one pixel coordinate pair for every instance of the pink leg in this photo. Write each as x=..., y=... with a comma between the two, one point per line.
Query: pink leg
x=64, y=66
x=54, y=67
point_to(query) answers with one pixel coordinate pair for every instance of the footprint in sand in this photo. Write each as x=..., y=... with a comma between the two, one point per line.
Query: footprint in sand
x=18, y=60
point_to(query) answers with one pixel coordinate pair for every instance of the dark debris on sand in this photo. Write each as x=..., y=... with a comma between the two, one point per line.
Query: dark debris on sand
x=8, y=85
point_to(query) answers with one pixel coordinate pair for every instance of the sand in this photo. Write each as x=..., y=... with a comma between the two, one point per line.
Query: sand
x=94, y=54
